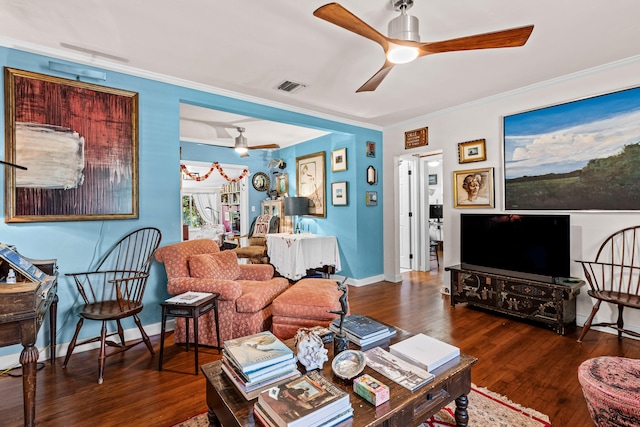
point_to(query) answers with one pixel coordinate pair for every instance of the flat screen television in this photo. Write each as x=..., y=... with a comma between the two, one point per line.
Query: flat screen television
x=534, y=247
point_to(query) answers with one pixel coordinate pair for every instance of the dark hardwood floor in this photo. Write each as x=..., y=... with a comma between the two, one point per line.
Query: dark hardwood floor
x=530, y=364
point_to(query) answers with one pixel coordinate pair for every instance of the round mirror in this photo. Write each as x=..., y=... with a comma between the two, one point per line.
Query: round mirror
x=260, y=181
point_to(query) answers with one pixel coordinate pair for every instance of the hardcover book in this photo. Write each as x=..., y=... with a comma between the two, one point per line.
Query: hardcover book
x=260, y=375
x=397, y=370
x=361, y=326
x=309, y=401
x=251, y=392
x=256, y=351
x=367, y=342
x=425, y=351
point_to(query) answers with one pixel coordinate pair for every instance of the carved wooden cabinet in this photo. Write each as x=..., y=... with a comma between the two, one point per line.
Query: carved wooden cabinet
x=550, y=303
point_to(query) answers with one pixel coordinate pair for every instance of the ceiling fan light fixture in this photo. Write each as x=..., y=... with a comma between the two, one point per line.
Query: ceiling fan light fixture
x=404, y=27
x=398, y=54
x=241, y=145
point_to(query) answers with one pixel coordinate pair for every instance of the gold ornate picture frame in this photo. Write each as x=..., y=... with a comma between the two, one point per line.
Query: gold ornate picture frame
x=310, y=182
x=473, y=188
x=79, y=142
x=472, y=151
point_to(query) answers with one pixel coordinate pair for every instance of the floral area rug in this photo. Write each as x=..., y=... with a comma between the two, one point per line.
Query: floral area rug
x=486, y=409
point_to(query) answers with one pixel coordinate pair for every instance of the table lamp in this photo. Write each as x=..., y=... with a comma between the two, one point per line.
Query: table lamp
x=295, y=206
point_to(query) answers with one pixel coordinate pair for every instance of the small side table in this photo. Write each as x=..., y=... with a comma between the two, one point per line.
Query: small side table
x=189, y=311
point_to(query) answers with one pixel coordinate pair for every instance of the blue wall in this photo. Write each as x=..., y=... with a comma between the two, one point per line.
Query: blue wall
x=78, y=244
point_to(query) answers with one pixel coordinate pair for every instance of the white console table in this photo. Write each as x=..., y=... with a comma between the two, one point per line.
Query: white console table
x=293, y=254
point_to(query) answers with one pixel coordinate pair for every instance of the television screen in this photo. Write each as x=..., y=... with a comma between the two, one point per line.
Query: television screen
x=525, y=245
x=435, y=211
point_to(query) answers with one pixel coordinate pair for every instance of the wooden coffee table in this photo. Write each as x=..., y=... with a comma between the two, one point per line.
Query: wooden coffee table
x=228, y=408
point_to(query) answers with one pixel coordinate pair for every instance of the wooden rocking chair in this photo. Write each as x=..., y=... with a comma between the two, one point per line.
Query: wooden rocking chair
x=614, y=277
x=114, y=291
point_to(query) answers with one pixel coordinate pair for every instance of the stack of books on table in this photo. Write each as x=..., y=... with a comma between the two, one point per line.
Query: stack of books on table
x=309, y=401
x=258, y=362
x=363, y=331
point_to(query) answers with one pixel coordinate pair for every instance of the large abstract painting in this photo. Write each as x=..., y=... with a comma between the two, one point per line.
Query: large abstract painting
x=581, y=155
x=79, y=144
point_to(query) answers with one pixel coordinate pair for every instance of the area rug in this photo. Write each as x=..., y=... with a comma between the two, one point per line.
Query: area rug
x=486, y=408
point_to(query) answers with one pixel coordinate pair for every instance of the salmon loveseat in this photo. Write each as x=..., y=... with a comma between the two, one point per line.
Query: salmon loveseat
x=246, y=290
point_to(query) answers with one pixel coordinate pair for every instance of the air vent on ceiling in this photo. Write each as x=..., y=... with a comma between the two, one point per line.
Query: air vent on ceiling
x=290, y=87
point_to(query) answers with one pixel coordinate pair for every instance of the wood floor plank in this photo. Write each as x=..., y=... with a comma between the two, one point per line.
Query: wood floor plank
x=530, y=364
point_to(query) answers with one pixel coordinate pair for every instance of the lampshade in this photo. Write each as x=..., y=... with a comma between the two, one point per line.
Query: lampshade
x=296, y=205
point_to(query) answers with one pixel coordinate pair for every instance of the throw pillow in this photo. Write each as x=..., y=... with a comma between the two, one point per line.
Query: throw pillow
x=261, y=226
x=221, y=265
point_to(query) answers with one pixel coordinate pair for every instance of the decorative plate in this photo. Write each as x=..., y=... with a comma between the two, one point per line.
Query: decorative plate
x=260, y=181
x=348, y=364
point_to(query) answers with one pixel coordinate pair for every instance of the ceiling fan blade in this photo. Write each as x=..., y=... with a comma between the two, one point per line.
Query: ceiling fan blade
x=338, y=15
x=376, y=79
x=506, y=38
x=263, y=147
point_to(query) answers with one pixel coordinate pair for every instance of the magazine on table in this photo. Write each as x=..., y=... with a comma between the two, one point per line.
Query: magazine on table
x=188, y=297
x=256, y=351
x=406, y=374
x=309, y=401
x=21, y=265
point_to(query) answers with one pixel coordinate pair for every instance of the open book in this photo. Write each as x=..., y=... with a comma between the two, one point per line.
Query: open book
x=188, y=297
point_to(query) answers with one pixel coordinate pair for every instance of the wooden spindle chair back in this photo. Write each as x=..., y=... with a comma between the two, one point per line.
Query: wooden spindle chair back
x=614, y=277
x=114, y=291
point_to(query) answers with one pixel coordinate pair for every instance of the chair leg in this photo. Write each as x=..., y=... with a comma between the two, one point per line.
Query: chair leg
x=145, y=337
x=620, y=321
x=120, y=332
x=72, y=344
x=103, y=352
x=587, y=325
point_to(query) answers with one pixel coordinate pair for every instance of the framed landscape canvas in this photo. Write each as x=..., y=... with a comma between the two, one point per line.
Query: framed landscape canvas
x=581, y=155
x=79, y=142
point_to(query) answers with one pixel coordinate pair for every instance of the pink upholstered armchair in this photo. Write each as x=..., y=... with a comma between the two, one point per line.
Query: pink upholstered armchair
x=246, y=290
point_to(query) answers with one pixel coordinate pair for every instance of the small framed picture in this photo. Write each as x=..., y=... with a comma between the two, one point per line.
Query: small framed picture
x=433, y=179
x=371, y=149
x=282, y=184
x=372, y=198
x=339, y=194
x=473, y=188
x=472, y=151
x=339, y=160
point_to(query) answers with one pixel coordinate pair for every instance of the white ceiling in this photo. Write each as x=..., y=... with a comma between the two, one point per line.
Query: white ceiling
x=250, y=46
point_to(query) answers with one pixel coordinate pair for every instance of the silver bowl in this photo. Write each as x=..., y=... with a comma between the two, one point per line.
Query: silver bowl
x=348, y=364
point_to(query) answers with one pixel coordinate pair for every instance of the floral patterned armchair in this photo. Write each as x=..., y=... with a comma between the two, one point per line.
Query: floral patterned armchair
x=246, y=290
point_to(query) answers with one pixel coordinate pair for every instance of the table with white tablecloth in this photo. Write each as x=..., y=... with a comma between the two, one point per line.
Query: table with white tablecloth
x=293, y=254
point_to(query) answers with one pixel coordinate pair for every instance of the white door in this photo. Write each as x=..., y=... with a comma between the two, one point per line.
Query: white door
x=404, y=180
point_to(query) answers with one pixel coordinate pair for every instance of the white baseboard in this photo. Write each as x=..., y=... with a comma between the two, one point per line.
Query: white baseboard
x=364, y=282
x=10, y=361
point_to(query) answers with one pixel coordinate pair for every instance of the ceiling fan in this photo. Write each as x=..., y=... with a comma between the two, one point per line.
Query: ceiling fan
x=241, y=146
x=403, y=44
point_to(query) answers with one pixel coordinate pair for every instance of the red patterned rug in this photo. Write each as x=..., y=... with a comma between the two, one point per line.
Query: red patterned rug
x=486, y=408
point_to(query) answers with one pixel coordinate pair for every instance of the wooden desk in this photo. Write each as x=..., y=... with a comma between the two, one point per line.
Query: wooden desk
x=228, y=408
x=293, y=254
x=22, y=310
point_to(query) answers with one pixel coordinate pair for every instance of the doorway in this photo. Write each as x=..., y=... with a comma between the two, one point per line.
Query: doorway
x=420, y=228
x=213, y=208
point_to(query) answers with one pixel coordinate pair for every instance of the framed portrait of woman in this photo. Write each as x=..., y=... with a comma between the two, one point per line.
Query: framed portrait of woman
x=310, y=182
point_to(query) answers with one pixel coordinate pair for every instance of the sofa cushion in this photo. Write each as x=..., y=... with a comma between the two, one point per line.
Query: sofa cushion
x=221, y=265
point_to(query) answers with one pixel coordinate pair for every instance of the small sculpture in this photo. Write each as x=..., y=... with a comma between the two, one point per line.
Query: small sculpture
x=311, y=351
x=340, y=342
